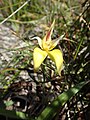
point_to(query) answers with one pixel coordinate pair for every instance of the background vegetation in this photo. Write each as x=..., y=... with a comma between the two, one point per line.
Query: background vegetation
x=33, y=19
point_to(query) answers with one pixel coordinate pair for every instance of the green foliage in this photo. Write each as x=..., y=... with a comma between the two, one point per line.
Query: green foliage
x=51, y=110
x=14, y=114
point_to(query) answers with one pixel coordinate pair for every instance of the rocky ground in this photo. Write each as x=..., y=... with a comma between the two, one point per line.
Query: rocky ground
x=8, y=42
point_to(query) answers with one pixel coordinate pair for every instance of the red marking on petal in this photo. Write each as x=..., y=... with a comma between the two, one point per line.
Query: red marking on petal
x=48, y=35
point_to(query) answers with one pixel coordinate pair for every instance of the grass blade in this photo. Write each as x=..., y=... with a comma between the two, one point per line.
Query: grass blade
x=14, y=114
x=50, y=111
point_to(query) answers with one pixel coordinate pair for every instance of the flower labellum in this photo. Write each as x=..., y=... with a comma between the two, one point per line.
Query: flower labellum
x=47, y=46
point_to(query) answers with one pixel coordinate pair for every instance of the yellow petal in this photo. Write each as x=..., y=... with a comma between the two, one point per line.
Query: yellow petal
x=39, y=40
x=38, y=57
x=47, y=38
x=57, y=56
x=49, y=33
x=55, y=42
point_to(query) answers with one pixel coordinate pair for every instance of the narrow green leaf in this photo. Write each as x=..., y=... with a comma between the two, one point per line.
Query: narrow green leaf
x=14, y=114
x=50, y=111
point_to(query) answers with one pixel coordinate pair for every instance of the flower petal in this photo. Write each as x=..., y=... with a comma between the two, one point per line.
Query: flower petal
x=57, y=56
x=55, y=42
x=39, y=40
x=49, y=33
x=38, y=57
x=47, y=39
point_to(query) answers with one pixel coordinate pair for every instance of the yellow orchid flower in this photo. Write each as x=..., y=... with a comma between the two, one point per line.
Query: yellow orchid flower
x=46, y=49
